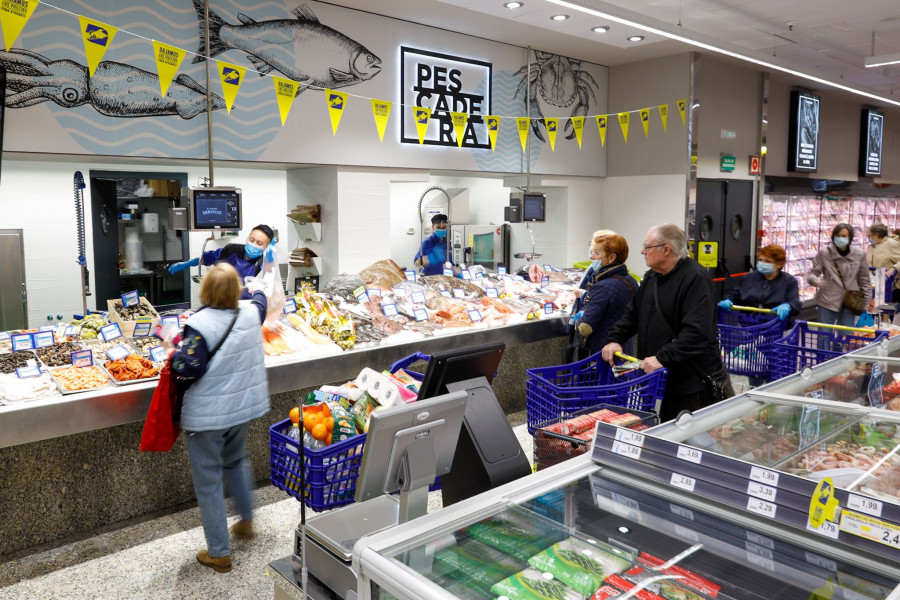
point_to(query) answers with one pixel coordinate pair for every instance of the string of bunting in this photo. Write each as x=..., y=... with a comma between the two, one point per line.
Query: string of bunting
x=98, y=36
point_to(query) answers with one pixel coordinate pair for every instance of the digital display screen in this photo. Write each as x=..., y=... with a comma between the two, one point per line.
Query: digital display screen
x=804, y=135
x=871, y=132
x=534, y=207
x=217, y=209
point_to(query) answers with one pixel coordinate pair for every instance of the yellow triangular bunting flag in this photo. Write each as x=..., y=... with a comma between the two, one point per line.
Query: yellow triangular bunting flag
x=381, y=109
x=459, y=126
x=97, y=38
x=285, y=92
x=336, y=102
x=664, y=115
x=231, y=76
x=422, y=116
x=493, y=127
x=645, y=120
x=601, y=126
x=623, y=123
x=552, y=126
x=682, y=105
x=13, y=17
x=168, y=59
x=522, y=124
x=578, y=126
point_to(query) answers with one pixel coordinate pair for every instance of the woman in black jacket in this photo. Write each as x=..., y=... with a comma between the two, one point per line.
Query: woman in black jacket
x=768, y=286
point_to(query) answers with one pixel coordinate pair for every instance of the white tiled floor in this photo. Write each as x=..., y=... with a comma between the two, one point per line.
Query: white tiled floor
x=155, y=559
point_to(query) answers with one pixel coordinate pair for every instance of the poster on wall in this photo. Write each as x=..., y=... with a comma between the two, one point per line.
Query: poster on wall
x=803, y=141
x=871, y=131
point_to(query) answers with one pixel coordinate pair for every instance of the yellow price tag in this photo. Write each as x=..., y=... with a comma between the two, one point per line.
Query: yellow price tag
x=823, y=503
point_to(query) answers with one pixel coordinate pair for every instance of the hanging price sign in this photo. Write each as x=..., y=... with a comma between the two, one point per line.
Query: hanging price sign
x=117, y=352
x=111, y=332
x=131, y=298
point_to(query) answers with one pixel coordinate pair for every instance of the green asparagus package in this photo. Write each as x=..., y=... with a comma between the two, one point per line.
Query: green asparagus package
x=517, y=539
x=579, y=565
x=531, y=584
x=477, y=562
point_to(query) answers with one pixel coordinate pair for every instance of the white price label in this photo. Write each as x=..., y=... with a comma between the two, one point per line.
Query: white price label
x=765, y=476
x=448, y=272
x=459, y=293
x=630, y=437
x=47, y=328
x=399, y=291
x=682, y=482
x=479, y=275
x=4, y=335
x=43, y=339
x=545, y=281
x=548, y=308
x=759, y=550
x=863, y=504
x=410, y=275
x=501, y=270
x=22, y=341
x=545, y=291
x=548, y=268
x=761, y=540
x=628, y=450
x=117, y=352
x=492, y=292
x=446, y=294
x=26, y=372
x=761, y=507
x=684, y=513
x=761, y=561
x=111, y=332
x=821, y=562
x=141, y=329
x=870, y=528
x=290, y=306
x=158, y=354
x=374, y=292
x=690, y=454
x=170, y=320
x=474, y=315
x=466, y=274
x=627, y=502
x=687, y=534
x=363, y=298
x=82, y=358
x=74, y=330
x=131, y=298
x=759, y=490
x=421, y=314
x=389, y=310
x=418, y=297
x=828, y=528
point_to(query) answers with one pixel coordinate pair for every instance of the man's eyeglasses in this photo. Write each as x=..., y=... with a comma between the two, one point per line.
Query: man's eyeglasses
x=647, y=248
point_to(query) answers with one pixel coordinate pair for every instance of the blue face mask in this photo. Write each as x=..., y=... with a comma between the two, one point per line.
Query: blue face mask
x=597, y=264
x=841, y=242
x=440, y=233
x=872, y=241
x=765, y=268
x=252, y=252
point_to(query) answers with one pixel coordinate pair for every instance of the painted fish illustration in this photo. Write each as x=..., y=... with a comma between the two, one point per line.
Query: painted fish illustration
x=551, y=126
x=115, y=90
x=336, y=101
x=231, y=75
x=301, y=49
x=97, y=35
x=421, y=116
x=492, y=124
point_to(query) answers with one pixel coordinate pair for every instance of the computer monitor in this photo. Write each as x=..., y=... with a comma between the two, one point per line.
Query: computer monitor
x=534, y=207
x=407, y=446
x=214, y=208
x=460, y=364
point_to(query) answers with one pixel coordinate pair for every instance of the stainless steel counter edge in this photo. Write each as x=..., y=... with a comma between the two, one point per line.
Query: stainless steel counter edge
x=32, y=421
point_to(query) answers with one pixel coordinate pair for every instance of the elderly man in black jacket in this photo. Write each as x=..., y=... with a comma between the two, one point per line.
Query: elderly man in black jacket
x=673, y=315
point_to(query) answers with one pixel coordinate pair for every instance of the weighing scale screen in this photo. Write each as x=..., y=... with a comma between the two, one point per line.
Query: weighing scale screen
x=214, y=209
x=534, y=207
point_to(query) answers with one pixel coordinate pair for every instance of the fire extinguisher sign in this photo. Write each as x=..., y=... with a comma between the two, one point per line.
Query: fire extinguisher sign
x=755, y=165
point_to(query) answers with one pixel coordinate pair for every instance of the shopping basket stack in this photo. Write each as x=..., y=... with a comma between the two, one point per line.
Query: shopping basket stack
x=808, y=344
x=554, y=393
x=746, y=336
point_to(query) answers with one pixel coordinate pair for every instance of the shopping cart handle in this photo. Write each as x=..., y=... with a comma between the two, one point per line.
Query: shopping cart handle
x=752, y=309
x=412, y=358
x=626, y=357
x=842, y=327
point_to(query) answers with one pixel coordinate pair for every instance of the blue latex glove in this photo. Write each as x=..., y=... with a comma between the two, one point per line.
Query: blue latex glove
x=184, y=265
x=271, y=254
x=575, y=317
x=436, y=257
x=783, y=310
x=865, y=320
x=726, y=305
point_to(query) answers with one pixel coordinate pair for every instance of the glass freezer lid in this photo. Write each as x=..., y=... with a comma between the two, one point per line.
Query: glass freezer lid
x=599, y=534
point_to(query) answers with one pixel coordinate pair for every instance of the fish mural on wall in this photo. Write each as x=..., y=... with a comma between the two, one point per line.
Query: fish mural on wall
x=302, y=49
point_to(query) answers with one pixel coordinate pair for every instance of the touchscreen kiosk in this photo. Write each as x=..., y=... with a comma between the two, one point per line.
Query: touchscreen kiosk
x=214, y=208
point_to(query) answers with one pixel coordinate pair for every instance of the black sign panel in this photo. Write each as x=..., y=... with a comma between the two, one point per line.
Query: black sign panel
x=803, y=148
x=871, y=132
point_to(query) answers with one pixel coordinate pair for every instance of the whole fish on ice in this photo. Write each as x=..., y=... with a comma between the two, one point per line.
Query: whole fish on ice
x=302, y=49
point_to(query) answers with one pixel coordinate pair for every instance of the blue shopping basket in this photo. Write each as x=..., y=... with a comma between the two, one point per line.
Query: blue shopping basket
x=746, y=335
x=808, y=344
x=554, y=393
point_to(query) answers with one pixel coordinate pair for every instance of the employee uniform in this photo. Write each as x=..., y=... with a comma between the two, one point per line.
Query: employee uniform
x=234, y=255
x=435, y=250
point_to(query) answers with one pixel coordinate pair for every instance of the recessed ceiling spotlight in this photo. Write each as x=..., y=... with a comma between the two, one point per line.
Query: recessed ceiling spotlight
x=602, y=29
x=559, y=17
x=514, y=4
x=635, y=38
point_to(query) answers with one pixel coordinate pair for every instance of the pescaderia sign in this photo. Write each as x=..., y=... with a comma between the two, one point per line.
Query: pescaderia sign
x=445, y=83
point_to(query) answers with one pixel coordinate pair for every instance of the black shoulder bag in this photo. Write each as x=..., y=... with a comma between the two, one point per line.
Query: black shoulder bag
x=184, y=383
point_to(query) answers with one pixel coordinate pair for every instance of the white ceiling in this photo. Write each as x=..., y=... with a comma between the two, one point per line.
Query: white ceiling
x=825, y=38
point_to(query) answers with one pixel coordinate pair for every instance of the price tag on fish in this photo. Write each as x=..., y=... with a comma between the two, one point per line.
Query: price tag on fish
x=545, y=281
x=47, y=328
x=26, y=372
x=141, y=329
x=421, y=314
x=290, y=306
x=492, y=292
x=474, y=315
x=466, y=274
x=548, y=268
x=479, y=275
x=389, y=309
x=448, y=272
x=418, y=297
x=158, y=354
x=111, y=332
x=117, y=352
x=459, y=293
x=131, y=298
x=446, y=294
x=4, y=335
x=373, y=292
x=82, y=358
x=410, y=274
x=501, y=270
x=545, y=291
x=73, y=330
x=361, y=295
x=171, y=320
x=22, y=341
x=548, y=308
x=43, y=339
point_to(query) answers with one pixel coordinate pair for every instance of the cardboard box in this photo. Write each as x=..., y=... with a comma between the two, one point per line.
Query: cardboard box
x=127, y=327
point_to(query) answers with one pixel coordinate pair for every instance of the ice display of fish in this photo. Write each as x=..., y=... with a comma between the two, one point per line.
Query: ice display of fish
x=302, y=49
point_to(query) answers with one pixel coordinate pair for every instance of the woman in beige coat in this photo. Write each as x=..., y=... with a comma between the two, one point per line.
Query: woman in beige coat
x=884, y=251
x=836, y=268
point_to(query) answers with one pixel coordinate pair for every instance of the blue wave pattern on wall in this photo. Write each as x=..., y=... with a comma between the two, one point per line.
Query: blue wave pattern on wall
x=243, y=135
x=508, y=157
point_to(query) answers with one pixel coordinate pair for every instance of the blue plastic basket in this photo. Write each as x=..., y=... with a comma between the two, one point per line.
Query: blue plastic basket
x=554, y=393
x=806, y=345
x=330, y=473
x=746, y=340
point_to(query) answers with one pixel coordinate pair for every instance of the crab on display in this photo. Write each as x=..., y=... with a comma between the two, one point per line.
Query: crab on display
x=558, y=81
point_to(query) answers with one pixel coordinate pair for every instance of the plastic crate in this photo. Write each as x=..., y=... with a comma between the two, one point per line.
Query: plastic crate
x=330, y=472
x=805, y=345
x=551, y=448
x=554, y=393
x=746, y=340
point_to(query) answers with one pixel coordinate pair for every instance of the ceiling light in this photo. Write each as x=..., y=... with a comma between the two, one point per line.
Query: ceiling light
x=514, y=4
x=707, y=46
x=635, y=38
x=559, y=17
x=882, y=60
x=602, y=29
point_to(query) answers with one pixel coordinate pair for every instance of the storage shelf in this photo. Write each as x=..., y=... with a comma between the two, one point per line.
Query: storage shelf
x=315, y=269
x=312, y=231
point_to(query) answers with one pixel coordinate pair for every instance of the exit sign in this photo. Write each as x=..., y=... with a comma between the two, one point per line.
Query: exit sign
x=727, y=163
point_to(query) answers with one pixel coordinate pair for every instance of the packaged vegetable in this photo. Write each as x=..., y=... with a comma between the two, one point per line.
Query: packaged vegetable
x=360, y=411
x=579, y=565
x=477, y=562
x=343, y=424
x=516, y=540
x=531, y=584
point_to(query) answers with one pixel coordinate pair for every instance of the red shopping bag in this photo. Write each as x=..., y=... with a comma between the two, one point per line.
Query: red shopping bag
x=160, y=428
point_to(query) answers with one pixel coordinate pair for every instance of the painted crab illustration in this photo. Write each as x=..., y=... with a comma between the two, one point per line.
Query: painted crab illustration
x=559, y=81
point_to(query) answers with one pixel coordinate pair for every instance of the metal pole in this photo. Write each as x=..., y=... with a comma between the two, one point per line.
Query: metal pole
x=528, y=114
x=208, y=95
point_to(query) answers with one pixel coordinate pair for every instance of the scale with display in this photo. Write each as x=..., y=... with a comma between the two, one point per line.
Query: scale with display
x=534, y=210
